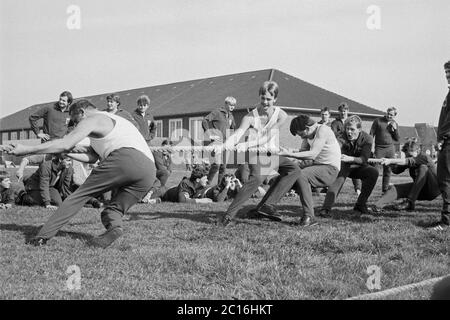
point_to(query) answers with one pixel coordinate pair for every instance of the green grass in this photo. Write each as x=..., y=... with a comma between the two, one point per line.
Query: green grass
x=175, y=251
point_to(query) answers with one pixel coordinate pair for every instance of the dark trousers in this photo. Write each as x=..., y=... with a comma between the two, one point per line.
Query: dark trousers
x=127, y=170
x=218, y=164
x=256, y=178
x=368, y=176
x=443, y=174
x=315, y=176
x=33, y=198
x=421, y=189
x=385, y=152
x=162, y=175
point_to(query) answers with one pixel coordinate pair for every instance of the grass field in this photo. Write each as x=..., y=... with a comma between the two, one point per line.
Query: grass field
x=175, y=251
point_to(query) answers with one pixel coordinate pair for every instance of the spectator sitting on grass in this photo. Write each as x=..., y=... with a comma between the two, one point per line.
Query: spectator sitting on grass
x=423, y=172
x=188, y=190
x=6, y=192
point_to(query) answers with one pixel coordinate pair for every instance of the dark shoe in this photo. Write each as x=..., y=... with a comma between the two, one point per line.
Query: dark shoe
x=107, y=238
x=269, y=212
x=225, y=221
x=325, y=213
x=96, y=204
x=253, y=214
x=37, y=241
x=361, y=209
x=375, y=210
x=407, y=205
x=439, y=227
x=308, y=222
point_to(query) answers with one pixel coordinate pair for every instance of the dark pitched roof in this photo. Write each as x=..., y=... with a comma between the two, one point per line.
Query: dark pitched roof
x=407, y=132
x=203, y=95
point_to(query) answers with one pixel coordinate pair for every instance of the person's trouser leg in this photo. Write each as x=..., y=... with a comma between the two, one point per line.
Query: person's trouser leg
x=335, y=188
x=419, y=183
x=289, y=172
x=162, y=176
x=315, y=176
x=55, y=197
x=249, y=187
x=369, y=177
x=398, y=191
x=32, y=198
x=124, y=168
x=385, y=152
x=443, y=175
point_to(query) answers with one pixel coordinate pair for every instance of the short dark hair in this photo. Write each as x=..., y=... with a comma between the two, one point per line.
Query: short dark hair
x=325, y=109
x=114, y=97
x=447, y=65
x=4, y=175
x=269, y=86
x=353, y=119
x=300, y=123
x=343, y=106
x=143, y=100
x=81, y=105
x=411, y=145
x=198, y=172
x=68, y=95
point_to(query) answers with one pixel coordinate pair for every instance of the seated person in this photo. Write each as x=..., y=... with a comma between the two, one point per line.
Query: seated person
x=189, y=190
x=6, y=192
x=356, y=147
x=35, y=159
x=49, y=185
x=423, y=172
x=163, y=163
x=227, y=189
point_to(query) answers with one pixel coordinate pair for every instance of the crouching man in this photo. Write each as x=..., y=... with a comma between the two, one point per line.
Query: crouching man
x=355, y=149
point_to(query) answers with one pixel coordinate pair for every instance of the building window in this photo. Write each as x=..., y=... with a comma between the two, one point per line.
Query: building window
x=175, y=129
x=23, y=135
x=31, y=135
x=14, y=135
x=5, y=136
x=196, y=129
x=159, y=128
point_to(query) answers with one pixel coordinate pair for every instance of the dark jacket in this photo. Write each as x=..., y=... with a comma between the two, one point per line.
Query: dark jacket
x=126, y=115
x=384, y=132
x=146, y=124
x=443, y=132
x=337, y=125
x=360, y=148
x=219, y=120
x=55, y=124
x=45, y=178
x=163, y=160
x=7, y=196
x=186, y=191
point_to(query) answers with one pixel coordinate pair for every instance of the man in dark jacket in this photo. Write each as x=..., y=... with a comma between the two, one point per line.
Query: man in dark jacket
x=144, y=119
x=113, y=106
x=356, y=149
x=443, y=164
x=385, y=131
x=56, y=118
x=163, y=163
x=49, y=185
x=216, y=124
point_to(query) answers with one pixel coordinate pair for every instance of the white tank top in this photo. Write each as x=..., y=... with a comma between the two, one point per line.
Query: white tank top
x=258, y=131
x=123, y=135
x=331, y=151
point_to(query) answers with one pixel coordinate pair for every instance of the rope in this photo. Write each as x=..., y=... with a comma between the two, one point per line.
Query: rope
x=392, y=291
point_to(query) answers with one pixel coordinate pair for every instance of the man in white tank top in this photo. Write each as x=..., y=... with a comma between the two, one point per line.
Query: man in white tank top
x=126, y=164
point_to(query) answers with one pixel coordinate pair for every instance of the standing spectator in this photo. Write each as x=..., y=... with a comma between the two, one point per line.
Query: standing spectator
x=163, y=163
x=385, y=131
x=112, y=106
x=325, y=116
x=443, y=164
x=339, y=131
x=216, y=124
x=144, y=119
x=56, y=118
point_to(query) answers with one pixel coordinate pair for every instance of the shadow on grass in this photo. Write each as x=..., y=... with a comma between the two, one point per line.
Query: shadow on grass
x=31, y=231
x=202, y=217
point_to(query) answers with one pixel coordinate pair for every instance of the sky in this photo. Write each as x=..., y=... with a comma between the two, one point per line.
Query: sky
x=392, y=55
